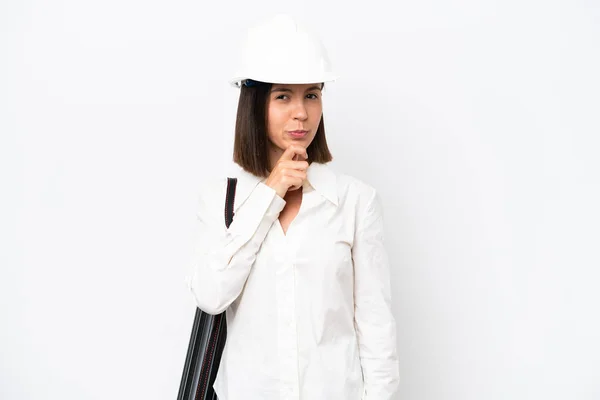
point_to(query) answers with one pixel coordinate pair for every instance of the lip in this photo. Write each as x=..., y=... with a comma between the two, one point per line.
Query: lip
x=298, y=133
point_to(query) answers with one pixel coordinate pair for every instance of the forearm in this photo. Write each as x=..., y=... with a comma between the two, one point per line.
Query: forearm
x=221, y=268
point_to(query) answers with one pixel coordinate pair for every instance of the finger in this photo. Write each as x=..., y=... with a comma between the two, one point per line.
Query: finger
x=297, y=184
x=295, y=173
x=301, y=165
x=292, y=151
x=288, y=154
x=301, y=156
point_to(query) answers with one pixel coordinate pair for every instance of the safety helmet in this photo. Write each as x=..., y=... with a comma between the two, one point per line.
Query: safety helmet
x=280, y=50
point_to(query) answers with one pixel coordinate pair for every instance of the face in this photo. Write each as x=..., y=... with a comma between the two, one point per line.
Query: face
x=293, y=115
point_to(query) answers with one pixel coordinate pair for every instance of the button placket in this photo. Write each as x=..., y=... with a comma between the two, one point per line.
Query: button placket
x=287, y=334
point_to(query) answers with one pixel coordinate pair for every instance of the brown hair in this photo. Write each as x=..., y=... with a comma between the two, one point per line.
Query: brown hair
x=250, y=147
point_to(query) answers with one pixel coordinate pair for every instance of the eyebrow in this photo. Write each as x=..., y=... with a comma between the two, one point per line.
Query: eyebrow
x=289, y=90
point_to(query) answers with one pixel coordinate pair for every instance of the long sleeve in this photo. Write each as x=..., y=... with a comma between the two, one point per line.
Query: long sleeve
x=224, y=256
x=374, y=322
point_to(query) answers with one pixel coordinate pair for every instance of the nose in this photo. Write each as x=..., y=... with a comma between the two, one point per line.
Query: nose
x=299, y=111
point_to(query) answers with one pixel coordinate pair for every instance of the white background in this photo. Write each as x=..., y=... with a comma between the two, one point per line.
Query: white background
x=478, y=122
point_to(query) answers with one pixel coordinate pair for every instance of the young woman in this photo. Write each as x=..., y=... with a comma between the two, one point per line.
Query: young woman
x=302, y=271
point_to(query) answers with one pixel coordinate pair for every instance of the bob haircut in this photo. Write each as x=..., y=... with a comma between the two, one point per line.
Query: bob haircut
x=250, y=147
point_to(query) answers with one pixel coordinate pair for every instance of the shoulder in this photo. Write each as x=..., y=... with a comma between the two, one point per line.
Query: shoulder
x=350, y=182
x=354, y=190
x=213, y=187
x=211, y=191
x=362, y=199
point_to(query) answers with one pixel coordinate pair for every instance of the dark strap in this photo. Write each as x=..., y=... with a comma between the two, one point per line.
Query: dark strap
x=207, y=341
x=218, y=331
x=229, y=199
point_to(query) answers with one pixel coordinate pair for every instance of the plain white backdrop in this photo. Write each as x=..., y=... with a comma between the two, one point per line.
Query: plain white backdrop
x=478, y=122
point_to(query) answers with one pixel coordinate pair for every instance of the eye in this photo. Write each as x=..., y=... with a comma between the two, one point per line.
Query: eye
x=280, y=97
x=315, y=96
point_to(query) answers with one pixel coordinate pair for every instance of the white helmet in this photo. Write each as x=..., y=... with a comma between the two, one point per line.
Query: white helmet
x=281, y=51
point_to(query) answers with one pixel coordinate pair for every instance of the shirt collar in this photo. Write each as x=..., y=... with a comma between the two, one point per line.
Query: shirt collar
x=319, y=176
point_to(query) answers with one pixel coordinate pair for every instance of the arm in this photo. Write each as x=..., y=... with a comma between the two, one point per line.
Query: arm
x=374, y=322
x=223, y=257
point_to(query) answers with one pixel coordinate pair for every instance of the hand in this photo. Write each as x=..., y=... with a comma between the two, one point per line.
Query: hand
x=290, y=170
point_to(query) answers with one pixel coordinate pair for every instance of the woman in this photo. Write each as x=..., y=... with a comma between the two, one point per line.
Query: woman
x=302, y=271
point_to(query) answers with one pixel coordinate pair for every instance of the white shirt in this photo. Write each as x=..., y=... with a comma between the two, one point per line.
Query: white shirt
x=308, y=312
